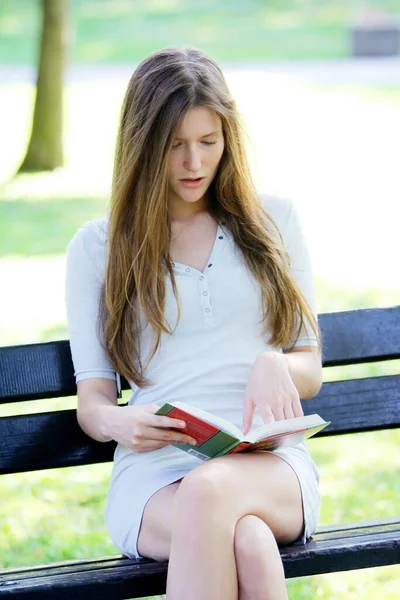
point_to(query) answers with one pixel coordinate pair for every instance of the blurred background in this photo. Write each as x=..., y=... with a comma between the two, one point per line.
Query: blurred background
x=318, y=84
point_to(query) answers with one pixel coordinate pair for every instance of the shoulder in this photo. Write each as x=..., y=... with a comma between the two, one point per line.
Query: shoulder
x=92, y=233
x=90, y=243
x=279, y=208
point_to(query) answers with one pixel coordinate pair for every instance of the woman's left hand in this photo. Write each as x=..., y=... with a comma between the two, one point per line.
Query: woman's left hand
x=271, y=389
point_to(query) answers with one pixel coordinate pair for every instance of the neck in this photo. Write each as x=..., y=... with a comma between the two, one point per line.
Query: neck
x=185, y=212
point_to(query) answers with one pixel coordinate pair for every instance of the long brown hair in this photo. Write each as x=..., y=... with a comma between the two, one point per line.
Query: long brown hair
x=161, y=90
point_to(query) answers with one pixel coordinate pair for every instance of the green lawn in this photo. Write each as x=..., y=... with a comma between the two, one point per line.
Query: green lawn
x=124, y=31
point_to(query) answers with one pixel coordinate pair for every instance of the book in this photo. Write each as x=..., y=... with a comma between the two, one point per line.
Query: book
x=217, y=436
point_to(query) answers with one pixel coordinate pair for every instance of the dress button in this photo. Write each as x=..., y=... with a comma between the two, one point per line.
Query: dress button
x=201, y=278
x=210, y=265
x=187, y=270
x=221, y=237
x=207, y=310
x=205, y=293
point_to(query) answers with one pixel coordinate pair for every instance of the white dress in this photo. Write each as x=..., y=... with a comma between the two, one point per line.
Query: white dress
x=206, y=362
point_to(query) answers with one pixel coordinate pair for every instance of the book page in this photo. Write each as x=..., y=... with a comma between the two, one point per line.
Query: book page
x=279, y=440
x=286, y=426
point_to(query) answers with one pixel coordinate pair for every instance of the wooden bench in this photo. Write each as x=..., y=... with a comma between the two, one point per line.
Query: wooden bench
x=42, y=441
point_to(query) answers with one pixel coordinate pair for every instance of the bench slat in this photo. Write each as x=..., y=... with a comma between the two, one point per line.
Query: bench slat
x=364, y=526
x=351, y=546
x=54, y=439
x=363, y=335
x=357, y=404
x=348, y=546
x=38, y=371
x=103, y=579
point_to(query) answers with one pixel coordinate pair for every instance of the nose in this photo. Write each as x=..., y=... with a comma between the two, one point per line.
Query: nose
x=192, y=160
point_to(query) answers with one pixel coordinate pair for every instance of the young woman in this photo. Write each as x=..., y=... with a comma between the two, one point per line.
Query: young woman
x=195, y=289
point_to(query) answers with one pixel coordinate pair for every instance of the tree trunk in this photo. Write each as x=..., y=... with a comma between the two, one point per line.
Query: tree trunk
x=45, y=149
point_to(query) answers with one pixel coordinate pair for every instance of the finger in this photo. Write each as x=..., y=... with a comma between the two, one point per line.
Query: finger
x=279, y=414
x=297, y=408
x=248, y=411
x=151, y=420
x=267, y=414
x=168, y=435
x=150, y=445
x=248, y=416
x=288, y=411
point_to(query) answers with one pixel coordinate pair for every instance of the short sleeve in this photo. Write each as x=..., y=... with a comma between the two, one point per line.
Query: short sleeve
x=85, y=270
x=301, y=268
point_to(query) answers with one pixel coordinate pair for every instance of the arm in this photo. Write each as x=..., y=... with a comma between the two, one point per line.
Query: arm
x=97, y=404
x=98, y=414
x=97, y=394
x=277, y=382
x=305, y=369
x=136, y=427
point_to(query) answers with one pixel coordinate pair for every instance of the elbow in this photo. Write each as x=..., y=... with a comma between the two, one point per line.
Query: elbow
x=80, y=417
x=314, y=387
x=305, y=368
x=312, y=382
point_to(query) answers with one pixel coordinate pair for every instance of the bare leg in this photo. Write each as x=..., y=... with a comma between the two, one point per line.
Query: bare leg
x=154, y=539
x=207, y=507
x=259, y=565
x=202, y=559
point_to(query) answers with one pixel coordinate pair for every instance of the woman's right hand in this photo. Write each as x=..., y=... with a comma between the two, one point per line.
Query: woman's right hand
x=141, y=430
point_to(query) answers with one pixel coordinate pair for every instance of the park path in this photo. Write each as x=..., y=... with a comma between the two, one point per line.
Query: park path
x=366, y=71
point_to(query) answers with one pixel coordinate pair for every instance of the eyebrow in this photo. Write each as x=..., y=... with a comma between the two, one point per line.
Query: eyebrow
x=203, y=136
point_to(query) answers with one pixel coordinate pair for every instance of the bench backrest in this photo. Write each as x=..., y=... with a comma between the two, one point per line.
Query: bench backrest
x=54, y=439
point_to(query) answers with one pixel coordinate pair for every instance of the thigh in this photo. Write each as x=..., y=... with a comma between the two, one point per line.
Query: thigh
x=256, y=483
x=154, y=538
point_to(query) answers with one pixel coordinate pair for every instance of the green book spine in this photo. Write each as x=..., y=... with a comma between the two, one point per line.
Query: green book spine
x=228, y=448
x=218, y=445
x=165, y=409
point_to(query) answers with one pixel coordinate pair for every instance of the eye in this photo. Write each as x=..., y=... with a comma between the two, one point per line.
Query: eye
x=209, y=143
x=176, y=145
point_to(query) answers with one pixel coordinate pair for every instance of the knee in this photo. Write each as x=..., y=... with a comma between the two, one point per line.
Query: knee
x=204, y=489
x=253, y=540
x=258, y=561
x=207, y=483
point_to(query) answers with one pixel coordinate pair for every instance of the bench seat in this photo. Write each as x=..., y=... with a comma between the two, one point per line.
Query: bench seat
x=341, y=547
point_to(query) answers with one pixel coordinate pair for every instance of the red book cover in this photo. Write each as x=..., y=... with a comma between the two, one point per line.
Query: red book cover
x=198, y=429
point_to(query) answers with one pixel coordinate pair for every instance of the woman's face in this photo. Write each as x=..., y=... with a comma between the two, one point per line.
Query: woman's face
x=195, y=155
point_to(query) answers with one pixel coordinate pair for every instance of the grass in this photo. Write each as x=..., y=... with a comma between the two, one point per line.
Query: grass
x=109, y=31
x=25, y=225
x=58, y=514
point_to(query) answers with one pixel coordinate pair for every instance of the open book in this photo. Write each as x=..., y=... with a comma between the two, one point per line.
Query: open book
x=216, y=436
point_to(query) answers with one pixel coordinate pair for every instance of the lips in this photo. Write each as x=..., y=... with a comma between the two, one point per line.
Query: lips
x=192, y=182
